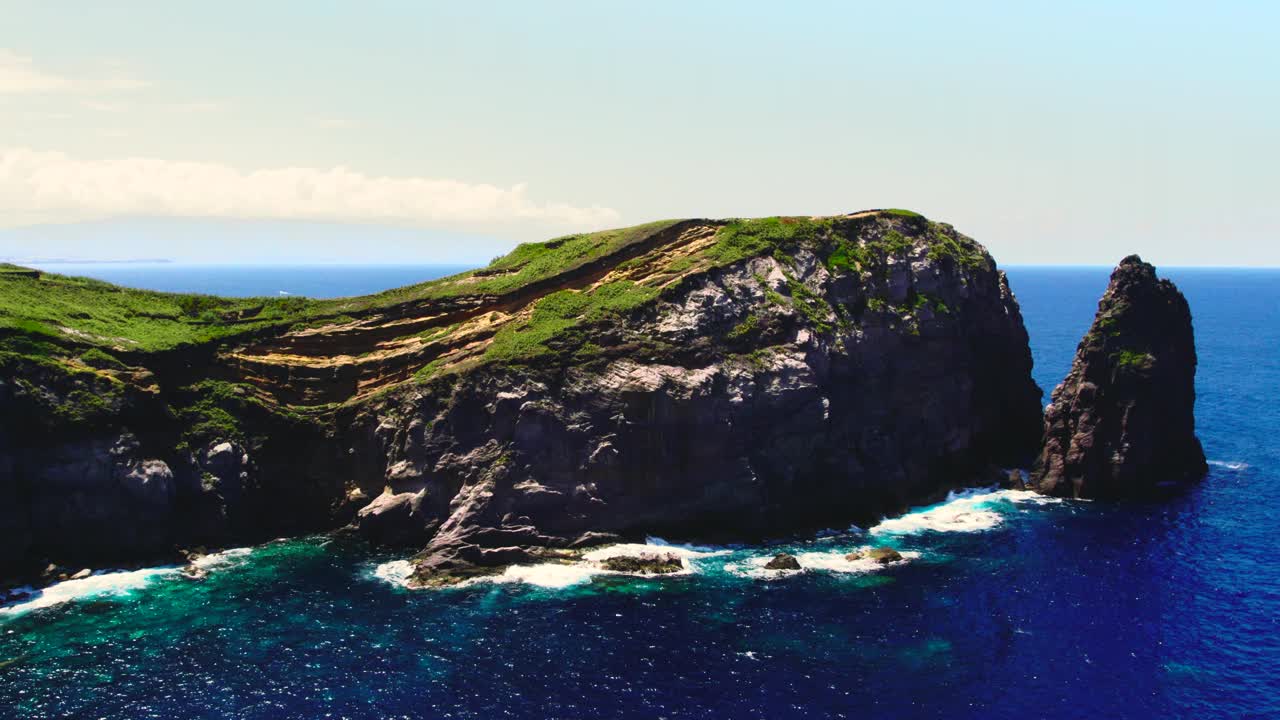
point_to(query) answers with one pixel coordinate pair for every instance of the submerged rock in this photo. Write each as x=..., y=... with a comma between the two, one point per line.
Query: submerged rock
x=882, y=555
x=783, y=561
x=647, y=564
x=1122, y=423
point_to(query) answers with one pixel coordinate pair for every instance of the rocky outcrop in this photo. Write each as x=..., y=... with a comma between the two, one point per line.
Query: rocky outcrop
x=1122, y=423
x=782, y=561
x=700, y=379
x=880, y=555
x=788, y=390
x=644, y=564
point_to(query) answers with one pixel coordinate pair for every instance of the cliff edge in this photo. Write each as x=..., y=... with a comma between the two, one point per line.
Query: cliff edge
x=1122, y=423
x=694, y=378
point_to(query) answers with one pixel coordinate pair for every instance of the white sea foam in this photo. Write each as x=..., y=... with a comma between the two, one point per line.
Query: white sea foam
x=833, y=561
x=962, y=511
x=653, y=547
x=1234, y=465
x=396, y=572
x=699, y=549
x=102, y=584
x=567, y=574
x=836, y=562
x=220, y=559
x=547, y=575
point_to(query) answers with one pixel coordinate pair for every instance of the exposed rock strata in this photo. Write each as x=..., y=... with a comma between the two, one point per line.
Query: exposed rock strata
x=817, y=377
x=1122, y=423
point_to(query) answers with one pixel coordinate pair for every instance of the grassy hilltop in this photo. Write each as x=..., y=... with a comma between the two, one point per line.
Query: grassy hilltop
x=535, y=302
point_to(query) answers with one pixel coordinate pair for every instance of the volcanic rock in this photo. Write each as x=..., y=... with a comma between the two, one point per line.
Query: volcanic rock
x=783, y=561
x=1122, y=423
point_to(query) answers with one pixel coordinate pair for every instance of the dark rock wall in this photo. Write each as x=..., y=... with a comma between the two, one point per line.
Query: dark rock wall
x=819, y=417
x=1122, y=423
x=777, y=393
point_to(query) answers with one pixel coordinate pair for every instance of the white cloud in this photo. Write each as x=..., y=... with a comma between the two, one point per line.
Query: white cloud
x=18, y=74
x=40, y=186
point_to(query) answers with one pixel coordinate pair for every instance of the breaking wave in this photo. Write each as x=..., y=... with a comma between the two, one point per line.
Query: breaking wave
x=1234, y=465
x=962, y=511
x=831, y=561
x=232, y=556
x=99, y=585
x=396, y=572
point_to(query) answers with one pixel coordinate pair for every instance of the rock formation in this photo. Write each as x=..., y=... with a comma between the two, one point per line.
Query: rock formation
x=1122, y=423
x=699, y=379
x=881, y=555
x=783, y=561
x=645, y=563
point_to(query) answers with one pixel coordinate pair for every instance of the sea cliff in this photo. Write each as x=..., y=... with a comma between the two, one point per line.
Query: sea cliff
x=698, y=378
x=1122, y=423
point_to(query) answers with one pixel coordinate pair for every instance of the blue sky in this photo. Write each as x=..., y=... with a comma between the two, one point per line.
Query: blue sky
x=386, y=131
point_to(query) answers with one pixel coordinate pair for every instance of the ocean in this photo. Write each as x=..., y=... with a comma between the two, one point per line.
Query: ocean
x=1008, y=605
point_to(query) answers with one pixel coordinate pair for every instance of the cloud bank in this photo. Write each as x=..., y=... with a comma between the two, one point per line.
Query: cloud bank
x=41, y=186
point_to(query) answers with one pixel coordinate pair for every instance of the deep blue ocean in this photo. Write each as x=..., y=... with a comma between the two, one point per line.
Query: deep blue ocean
x=1008, y=605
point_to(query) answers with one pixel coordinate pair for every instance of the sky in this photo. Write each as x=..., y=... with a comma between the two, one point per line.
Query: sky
x=378, y=131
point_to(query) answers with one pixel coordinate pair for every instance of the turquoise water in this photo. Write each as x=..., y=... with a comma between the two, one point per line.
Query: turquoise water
x=1007, y=605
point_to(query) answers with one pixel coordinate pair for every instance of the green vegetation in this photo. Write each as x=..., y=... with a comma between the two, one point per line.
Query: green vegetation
x=526, y=264
x=812, y=306
x=903, y=213
x=91, y=312
x=745, y=328
x=850, y=254
x=436, y=333
x=555, y=316
x=212, y=411
x=106, y=327
x=82, y=311
x=923, y=299
x=56, y=395
x=1133, y=360
x=93, y=357
x=947, y=243
x=741, y=239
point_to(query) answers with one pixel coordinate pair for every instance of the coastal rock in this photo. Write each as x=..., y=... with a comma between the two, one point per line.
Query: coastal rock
x=1122, y=423
x=696, y=379
x=646, y=564
x=731, y=409
x=882, y=555
x=782, y=561
x=395, y=519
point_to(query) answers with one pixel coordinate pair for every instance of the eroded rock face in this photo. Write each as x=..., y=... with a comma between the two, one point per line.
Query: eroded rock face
x=1122, y=423
x=737, y=385
x=774, y=394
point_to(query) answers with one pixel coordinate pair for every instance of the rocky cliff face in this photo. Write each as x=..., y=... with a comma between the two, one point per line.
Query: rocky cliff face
x=792, y=389
x=1122, y=423
x=695, y=379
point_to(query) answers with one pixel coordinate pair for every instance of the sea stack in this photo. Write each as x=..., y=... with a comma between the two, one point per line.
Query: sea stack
x=1122, y=423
